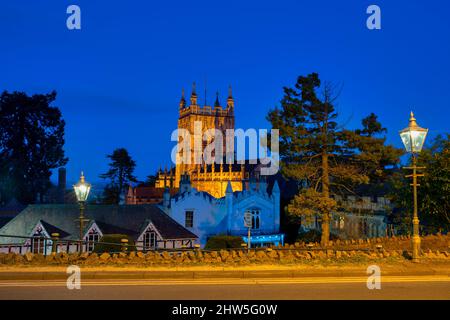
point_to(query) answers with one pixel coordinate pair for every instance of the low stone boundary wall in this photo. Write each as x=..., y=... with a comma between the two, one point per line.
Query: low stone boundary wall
x=433, y=247
x=269, y=256
x=428, y=242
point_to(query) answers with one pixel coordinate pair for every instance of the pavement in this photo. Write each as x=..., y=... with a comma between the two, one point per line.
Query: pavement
x=226, y=272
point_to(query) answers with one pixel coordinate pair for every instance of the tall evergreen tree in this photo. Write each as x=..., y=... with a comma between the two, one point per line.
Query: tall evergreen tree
x=376, y=159
x=120, y=174
x=314, y=150
x=31, y=144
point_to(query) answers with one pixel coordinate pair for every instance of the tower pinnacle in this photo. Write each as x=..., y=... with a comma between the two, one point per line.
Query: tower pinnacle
x=230, y=100
x=193, y=95
x=217, y=103
x=182, y=100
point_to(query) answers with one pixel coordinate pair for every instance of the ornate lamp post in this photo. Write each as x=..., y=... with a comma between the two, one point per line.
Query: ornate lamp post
x=82, y=189
x=413, y=137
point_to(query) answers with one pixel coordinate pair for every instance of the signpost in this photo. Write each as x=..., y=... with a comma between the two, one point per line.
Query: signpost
x=248, y=224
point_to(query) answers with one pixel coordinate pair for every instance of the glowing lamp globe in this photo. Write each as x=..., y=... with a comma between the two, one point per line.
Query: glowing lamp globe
x=413, y=137
x=82, y=189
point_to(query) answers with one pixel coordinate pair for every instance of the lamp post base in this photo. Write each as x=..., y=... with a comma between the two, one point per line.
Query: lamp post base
x=416, y=248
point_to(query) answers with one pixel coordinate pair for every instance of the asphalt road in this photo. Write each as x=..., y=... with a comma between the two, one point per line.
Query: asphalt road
x=422, y=287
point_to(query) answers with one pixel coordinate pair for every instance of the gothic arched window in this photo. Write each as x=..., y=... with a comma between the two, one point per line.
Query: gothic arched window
x=255, y=218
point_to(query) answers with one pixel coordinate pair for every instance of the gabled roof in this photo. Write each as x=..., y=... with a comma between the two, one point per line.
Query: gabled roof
x=172, y=229
x=52, y=229
x=127, y=219
x=107, y=228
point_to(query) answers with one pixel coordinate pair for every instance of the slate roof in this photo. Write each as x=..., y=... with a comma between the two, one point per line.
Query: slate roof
x=107, y=228
x=129, y=219
x=52, y=229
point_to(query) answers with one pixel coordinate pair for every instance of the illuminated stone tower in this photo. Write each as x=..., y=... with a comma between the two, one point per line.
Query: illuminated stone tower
x=211, y=178
x=206, y=177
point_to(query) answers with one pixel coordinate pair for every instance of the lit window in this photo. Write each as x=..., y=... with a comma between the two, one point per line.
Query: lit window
x=189, y=219
x=92, y=237
x=149, y=240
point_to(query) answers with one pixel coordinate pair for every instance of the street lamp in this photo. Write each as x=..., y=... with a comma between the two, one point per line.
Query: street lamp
x=82, y=189
x=413, y=137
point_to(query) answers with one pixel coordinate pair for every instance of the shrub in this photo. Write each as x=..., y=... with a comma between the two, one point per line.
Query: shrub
x=223, y=242
x=313, y=236
x=113, y=243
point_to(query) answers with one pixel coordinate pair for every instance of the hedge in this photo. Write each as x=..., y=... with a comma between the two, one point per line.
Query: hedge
x=113, y=243
x=223, y=242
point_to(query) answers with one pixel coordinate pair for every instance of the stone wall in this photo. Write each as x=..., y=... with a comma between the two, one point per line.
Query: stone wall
x=232, y=257
x=433, y=247
x=429, y=242
x=290, y=255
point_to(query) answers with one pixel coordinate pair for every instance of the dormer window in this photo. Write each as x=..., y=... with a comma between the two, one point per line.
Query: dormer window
x=149, y=240
x=92, y=237
x=38, y=241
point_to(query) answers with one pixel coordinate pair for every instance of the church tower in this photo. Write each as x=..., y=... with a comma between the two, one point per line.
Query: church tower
x=212, y=178
x=210, y=117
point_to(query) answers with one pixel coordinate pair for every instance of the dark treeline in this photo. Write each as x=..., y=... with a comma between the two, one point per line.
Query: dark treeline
x=31, y=145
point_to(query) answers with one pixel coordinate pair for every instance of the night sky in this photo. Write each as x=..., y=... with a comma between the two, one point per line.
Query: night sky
x=119, y=78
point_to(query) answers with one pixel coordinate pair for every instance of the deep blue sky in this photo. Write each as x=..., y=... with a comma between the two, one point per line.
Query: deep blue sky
x=119, y=78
